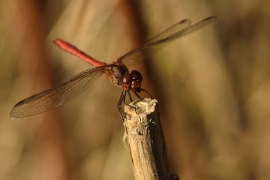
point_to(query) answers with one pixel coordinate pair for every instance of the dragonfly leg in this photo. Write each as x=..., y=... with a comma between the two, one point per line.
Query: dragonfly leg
x=147, y=93
x=120, y=101
x=130, y=98
x=140, y=97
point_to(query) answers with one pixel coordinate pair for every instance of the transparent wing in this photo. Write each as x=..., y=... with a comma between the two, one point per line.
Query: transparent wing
x=57, y=95
x=176, y=31
x=171, y=30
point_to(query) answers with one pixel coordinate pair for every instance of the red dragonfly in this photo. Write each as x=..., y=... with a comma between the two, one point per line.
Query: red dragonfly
x=117, y=72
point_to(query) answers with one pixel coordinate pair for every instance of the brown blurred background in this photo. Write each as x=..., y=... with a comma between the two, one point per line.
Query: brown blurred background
x=213, y=88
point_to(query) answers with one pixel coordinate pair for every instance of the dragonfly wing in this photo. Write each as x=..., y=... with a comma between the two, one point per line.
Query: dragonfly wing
x=171, y=30
x=55, y=96
x=176, y=31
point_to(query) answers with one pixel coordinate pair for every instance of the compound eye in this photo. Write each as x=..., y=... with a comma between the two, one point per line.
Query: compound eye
x=126, y=81
x=136, y=80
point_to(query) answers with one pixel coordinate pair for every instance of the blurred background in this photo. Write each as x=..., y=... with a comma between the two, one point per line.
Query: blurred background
x=213, y=88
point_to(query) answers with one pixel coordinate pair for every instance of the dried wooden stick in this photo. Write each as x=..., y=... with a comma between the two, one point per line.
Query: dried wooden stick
x=146, y=141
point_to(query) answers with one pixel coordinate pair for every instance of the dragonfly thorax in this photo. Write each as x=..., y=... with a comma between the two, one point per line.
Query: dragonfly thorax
x=116, y=72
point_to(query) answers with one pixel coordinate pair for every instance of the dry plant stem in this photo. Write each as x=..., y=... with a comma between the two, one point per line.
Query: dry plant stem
x=146, y=140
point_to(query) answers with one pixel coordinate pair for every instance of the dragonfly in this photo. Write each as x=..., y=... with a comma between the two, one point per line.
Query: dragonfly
x=117, y=72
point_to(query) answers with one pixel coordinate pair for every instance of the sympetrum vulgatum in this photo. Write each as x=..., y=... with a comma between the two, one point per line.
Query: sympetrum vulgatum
x=117, y=72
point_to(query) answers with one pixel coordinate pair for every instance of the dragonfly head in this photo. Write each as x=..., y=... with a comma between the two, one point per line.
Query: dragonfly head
x=132, y=81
